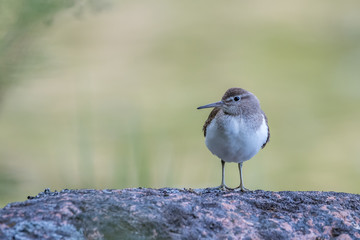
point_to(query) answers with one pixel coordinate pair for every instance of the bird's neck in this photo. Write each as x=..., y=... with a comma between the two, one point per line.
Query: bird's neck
x=249, y=119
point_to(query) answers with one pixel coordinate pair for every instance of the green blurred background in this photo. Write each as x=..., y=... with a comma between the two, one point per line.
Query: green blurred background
x=103, y=94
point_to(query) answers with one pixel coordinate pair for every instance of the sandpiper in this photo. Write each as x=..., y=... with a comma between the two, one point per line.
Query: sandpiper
x=236, y=129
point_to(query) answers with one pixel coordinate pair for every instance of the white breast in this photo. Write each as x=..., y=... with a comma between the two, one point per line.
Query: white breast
x=237, y=141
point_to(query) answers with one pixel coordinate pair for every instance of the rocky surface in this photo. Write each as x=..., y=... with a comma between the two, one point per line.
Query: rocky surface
x=182, y=214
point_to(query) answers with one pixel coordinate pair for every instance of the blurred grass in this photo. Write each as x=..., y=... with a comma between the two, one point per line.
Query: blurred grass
x=108, y=100
x=20, y=21
x=18, y=25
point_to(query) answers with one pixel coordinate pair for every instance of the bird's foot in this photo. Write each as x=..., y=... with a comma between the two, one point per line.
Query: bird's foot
x=242, y=189
x=223, y=187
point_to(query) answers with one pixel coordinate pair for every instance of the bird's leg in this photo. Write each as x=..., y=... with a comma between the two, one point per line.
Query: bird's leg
x=223, y=186
x=241, y=187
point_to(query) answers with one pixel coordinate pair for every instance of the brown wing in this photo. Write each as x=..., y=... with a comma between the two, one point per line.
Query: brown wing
x=210, y=118
x=268, y=137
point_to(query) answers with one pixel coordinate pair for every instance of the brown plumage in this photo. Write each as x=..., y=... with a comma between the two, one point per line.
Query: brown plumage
x=210, y=118
x=268, y=137
x=233, y=92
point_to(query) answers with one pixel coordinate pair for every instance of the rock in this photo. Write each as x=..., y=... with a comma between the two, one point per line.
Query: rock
x=182, y=214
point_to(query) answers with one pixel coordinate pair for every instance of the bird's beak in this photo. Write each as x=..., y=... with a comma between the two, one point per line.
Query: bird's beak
x=212, y=105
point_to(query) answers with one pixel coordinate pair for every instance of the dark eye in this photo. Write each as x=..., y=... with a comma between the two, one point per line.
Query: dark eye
x=236, y=99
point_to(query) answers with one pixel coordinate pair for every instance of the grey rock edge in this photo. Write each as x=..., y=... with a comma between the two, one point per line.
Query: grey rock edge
x=168, y=213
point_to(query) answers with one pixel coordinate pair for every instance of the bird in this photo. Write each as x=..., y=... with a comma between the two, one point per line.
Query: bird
x=236, y=130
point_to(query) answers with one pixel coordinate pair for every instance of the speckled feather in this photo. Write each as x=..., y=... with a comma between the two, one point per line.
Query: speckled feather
x=268, y=135
x=210, y=118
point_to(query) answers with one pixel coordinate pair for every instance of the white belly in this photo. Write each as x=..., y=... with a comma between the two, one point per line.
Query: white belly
x=237, y=142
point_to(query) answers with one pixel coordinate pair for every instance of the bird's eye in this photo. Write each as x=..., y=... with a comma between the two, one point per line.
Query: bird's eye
x=236, y=99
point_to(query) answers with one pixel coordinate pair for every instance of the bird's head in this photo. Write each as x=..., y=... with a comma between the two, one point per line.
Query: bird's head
x=235, y=101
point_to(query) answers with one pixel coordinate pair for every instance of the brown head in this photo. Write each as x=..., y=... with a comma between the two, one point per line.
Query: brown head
x=236, y=101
